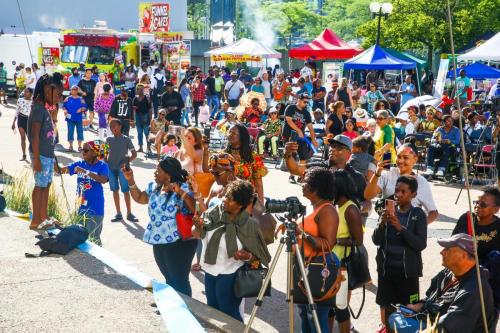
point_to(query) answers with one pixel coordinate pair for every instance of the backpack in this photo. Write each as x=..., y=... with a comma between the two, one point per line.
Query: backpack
x=65, y=241
x=160, y=85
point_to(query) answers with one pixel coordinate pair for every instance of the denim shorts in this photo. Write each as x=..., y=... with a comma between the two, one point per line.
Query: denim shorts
x=43, y=178
x=117, y=181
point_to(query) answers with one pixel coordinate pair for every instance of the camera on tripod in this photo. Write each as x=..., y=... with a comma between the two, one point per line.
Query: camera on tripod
x=290, y=205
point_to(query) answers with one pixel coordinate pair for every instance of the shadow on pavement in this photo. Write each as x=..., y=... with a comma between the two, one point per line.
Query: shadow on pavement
x=96, y=270
x=145, y=164
x=135, y=229
x=446, y=219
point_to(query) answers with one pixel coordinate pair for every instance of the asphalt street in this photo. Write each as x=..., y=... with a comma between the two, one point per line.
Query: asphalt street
x=125, y=238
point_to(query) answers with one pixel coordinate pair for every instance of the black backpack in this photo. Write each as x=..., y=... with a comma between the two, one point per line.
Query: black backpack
x=160, y=85
x=65, y=241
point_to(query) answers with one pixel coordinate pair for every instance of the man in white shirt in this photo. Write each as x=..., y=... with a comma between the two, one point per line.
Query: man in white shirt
x=267, y=88
x=234, y=90
x=30, y=78
x=306, y=71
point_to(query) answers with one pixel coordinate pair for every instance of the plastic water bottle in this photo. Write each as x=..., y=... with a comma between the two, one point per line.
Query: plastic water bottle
x=341, y=297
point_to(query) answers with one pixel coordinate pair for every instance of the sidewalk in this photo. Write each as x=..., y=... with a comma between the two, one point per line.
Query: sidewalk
x=68, y=293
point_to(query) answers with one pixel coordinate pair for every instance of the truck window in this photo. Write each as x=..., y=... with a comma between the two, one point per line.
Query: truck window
x=75, y=54
x=99, y=55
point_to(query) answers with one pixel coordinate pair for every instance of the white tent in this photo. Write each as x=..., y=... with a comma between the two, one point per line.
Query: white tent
x=489, y=50
x=245, y=46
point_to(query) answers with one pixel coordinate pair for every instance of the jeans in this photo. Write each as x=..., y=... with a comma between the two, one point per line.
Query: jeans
x=71, y=130
x=196, y=111
x=174, y=261
x=405, y=324
x=445, y=151
x=125, y=126
x=185, y=116
x=264, y=144
x=156, y=103
x=213, y=104
x=307, y=322
x=220, y=294
x=43, y=178
x=142, y=125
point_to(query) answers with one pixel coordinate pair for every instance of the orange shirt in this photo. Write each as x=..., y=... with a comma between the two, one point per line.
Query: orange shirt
x=311, y=227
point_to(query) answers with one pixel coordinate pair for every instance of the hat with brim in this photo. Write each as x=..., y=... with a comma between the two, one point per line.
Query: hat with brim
x=318, y=110
x=361, y=113
x=273, y=110
x=463, y=241
x=341, y=140
x=402, y=116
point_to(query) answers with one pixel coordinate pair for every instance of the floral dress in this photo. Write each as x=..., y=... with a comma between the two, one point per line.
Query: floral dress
x=250, y=171
x=102, y=105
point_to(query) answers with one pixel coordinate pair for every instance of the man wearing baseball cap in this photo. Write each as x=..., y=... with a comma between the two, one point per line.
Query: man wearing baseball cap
x=338, y=155
x=234, y=90
x=453, y=297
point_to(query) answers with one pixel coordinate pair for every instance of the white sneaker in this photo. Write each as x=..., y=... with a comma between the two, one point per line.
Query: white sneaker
x=440, y=173
x=429, y=171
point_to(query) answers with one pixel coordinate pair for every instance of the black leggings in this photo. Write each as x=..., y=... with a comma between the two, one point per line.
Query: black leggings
x=174, y=261
x=196, y=111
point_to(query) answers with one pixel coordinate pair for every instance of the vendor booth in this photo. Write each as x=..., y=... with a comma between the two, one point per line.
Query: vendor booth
x=244, y=50
x=488, y=51
x=327, y=46
x=478, y=71
x=378, y=59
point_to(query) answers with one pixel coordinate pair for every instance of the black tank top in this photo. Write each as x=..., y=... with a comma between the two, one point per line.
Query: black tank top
x=344, y=96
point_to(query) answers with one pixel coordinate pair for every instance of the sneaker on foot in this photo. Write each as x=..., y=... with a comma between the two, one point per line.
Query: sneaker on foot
x=117, y=218
x=440, y=172
x=91, y=127
x=131, y=217
x=429, y=171
x=291, y=180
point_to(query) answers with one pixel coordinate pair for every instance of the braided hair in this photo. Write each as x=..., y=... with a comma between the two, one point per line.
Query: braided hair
x=245, y=145
x=46, y=80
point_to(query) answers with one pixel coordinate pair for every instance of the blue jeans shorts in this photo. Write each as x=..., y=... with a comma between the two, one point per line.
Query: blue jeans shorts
x=117, y=181
x=43, y=178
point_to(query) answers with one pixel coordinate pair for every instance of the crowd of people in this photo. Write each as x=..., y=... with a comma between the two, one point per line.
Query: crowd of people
x=347, y=145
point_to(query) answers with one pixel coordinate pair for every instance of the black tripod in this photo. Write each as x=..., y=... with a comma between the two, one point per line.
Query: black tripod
x=290, y=240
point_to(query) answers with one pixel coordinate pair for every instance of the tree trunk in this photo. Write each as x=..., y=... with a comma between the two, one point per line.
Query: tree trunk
x=430, y=53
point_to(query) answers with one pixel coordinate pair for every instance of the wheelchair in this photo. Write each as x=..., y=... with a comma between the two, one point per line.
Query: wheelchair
x=453, y=172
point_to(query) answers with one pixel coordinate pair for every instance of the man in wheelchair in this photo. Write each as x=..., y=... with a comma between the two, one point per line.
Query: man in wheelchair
x=444, y=141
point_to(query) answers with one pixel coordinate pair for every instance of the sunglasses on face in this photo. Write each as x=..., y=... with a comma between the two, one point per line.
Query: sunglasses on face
x=380, y=118
x=481, y=204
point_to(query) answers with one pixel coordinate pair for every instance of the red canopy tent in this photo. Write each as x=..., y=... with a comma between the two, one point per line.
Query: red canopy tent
x=326, y=46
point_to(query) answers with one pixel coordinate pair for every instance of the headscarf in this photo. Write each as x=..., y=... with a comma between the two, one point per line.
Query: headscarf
x=99, y=147
x=222, y=160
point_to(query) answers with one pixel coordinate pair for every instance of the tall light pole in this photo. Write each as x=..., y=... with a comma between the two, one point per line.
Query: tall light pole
x=380, y=9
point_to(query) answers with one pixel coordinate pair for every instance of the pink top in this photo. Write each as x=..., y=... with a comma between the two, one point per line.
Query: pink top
x=351, y=135
x=102, y=104
x=169, y=150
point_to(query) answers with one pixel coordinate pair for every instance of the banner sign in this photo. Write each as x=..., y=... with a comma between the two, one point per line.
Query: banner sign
x=166, y=37
x=154, y=17
x=235, y=58
x=441, y=77
x=50, y=55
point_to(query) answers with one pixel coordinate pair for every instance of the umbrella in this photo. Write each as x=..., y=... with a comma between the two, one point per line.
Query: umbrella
x=425, y=99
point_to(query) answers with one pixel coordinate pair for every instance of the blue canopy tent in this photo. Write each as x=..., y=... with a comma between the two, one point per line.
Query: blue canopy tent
x=379, y=59
x=478, y=71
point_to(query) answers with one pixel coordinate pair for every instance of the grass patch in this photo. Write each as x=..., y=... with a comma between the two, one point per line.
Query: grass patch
x=17, y=192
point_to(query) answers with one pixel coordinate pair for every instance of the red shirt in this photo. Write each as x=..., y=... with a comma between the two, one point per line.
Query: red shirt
x=199, y=93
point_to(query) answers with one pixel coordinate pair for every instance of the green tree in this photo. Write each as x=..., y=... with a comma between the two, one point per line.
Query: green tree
x=197, y=11
x=345, y=16
x=422, y=24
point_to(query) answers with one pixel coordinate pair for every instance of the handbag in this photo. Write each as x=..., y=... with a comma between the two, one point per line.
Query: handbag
x=248, y=281
x=323, y=277
x=267, y=222
x=184, y=225
x=357, y=268
x=204, y=180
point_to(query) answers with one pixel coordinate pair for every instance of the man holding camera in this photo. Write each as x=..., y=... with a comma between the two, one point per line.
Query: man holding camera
x=452, y=298
x=444, y=140
x=338, y=155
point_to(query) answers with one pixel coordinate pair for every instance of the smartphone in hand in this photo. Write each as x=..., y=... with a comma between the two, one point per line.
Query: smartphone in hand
x=390, y=206
x=127, y=163
x=294, y=136
x=387, y=157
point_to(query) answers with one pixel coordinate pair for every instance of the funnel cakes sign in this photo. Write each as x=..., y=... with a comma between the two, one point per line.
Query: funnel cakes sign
x=154, y=17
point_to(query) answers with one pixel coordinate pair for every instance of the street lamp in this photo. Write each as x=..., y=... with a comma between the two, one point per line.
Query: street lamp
x=380, y=9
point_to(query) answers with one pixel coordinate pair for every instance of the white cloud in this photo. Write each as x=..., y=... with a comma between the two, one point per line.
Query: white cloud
x=58, y=22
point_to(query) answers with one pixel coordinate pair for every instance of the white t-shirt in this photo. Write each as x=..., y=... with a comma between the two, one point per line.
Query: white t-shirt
x=234, y=89
x=223, y=263
x=424, y=198
x=31, y=77
x=267, y=89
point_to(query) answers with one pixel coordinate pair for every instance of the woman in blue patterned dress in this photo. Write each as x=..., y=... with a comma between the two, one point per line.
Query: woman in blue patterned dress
x=167, y=196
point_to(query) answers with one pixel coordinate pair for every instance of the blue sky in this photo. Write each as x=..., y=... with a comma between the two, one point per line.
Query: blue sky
x=39, y=15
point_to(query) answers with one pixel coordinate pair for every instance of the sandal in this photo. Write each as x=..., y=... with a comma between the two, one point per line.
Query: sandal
x=45, y=225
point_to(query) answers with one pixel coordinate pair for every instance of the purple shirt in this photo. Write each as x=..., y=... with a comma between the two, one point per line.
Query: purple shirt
x=102, y=105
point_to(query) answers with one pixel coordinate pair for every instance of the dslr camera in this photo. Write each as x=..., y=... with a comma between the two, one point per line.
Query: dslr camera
x=290, y=205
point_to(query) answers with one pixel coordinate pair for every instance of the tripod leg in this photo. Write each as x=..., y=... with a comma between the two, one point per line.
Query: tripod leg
x=289, y=294
x=260, y=297
x=310, y=299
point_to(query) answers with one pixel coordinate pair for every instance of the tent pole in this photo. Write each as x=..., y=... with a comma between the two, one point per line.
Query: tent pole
x=418, y=82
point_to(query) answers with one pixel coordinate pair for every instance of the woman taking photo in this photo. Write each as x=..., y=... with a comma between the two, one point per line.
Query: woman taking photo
x=191, y=153
x=230, y=238
x=165, y=197
x=320, y=225
x=384, y=181
x=349, y=232
x=249, y=165
x=23, y=110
